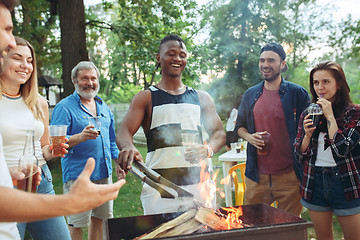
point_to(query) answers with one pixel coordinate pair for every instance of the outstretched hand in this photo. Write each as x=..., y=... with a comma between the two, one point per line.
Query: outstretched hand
x=120, y=173
x=86, y=195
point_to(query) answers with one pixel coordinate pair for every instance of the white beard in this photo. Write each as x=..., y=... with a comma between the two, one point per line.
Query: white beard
x=86, y=95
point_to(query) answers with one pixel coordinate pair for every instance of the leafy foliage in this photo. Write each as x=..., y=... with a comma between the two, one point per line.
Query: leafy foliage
x=35, y=23
x=132, y=38
x=344, y=40
x=123, y=93
x=239, y=28
x=305, y=29
x=223, y=38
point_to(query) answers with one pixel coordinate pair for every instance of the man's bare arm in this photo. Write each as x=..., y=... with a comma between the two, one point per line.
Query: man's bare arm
x=212, y=121
x=20, y=206
x=243, y=133
x=254, y=139
x=129, y=126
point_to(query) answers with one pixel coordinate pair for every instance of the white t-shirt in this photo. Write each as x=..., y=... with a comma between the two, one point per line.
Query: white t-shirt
x=14, y=123
x=230, y=124
x=324, y=157
x=8, y=230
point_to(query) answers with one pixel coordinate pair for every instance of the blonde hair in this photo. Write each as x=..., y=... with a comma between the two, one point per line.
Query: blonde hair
x=29, y=90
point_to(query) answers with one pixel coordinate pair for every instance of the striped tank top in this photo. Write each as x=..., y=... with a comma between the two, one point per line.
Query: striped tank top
x=173, y=115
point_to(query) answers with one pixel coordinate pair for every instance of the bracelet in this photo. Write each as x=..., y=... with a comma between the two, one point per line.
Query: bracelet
x=210, y=152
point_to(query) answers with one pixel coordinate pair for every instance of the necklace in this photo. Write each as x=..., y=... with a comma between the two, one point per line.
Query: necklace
x=11, y=96
x=174, y=91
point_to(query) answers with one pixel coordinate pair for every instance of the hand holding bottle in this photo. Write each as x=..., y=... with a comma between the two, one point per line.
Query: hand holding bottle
x=28, y=166
x=17, y=176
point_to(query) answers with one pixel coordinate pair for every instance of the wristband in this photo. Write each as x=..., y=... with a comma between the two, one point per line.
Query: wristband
x=210, y=152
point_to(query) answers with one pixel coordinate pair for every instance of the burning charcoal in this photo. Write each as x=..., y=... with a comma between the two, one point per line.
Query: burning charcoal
x=216, y=221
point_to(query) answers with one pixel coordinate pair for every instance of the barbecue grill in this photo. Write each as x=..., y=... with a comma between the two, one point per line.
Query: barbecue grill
x=265, y=222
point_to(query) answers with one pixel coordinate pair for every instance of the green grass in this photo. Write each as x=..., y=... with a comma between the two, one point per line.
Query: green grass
x=128, y=201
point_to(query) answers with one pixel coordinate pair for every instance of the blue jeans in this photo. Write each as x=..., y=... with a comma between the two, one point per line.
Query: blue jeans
x=328, y=194
x=54, y=228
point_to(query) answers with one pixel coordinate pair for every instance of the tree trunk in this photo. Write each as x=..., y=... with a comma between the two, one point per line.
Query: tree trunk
x=145, y=83
x=73, y=39
x=125, y=79
x=136, y=80
x=154, y=74
x=35, y=29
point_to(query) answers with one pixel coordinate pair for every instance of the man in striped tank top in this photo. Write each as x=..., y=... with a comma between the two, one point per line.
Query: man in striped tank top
x=167, y=111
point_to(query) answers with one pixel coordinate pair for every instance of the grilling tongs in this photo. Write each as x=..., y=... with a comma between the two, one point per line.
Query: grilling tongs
x=153, y=179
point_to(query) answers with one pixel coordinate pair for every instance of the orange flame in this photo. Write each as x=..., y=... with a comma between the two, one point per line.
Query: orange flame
x=226, y=180
x=222, y=194
x=233, y=216
x=207, y=186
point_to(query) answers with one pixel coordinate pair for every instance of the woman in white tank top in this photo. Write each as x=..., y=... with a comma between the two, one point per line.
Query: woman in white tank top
x=24, y=109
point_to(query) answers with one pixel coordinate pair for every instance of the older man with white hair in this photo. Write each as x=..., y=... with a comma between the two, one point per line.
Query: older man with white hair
x=84, y=141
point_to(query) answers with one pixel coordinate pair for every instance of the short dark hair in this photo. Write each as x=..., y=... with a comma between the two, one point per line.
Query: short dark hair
x=172, y=37
x=10, y=4
x=275, y=47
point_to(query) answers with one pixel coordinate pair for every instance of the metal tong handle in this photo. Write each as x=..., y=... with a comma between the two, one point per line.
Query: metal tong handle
x=151, y=183
x=159, y=179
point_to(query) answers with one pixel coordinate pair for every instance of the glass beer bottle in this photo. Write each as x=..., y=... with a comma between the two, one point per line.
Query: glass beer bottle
x=28, y=164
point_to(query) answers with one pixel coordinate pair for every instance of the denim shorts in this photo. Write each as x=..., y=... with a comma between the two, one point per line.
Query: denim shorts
x=328, y=194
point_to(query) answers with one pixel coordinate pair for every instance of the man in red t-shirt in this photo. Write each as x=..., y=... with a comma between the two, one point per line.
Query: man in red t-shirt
x=272, y=106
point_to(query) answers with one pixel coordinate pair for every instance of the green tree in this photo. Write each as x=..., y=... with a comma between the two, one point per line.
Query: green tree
x=35, y=22
x=73, y=39
x=345, y=40
x=238, y=29
x=132, y=38
x=305, y=29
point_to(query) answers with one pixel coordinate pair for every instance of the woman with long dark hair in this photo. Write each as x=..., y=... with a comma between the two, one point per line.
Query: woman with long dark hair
x=330, y=154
